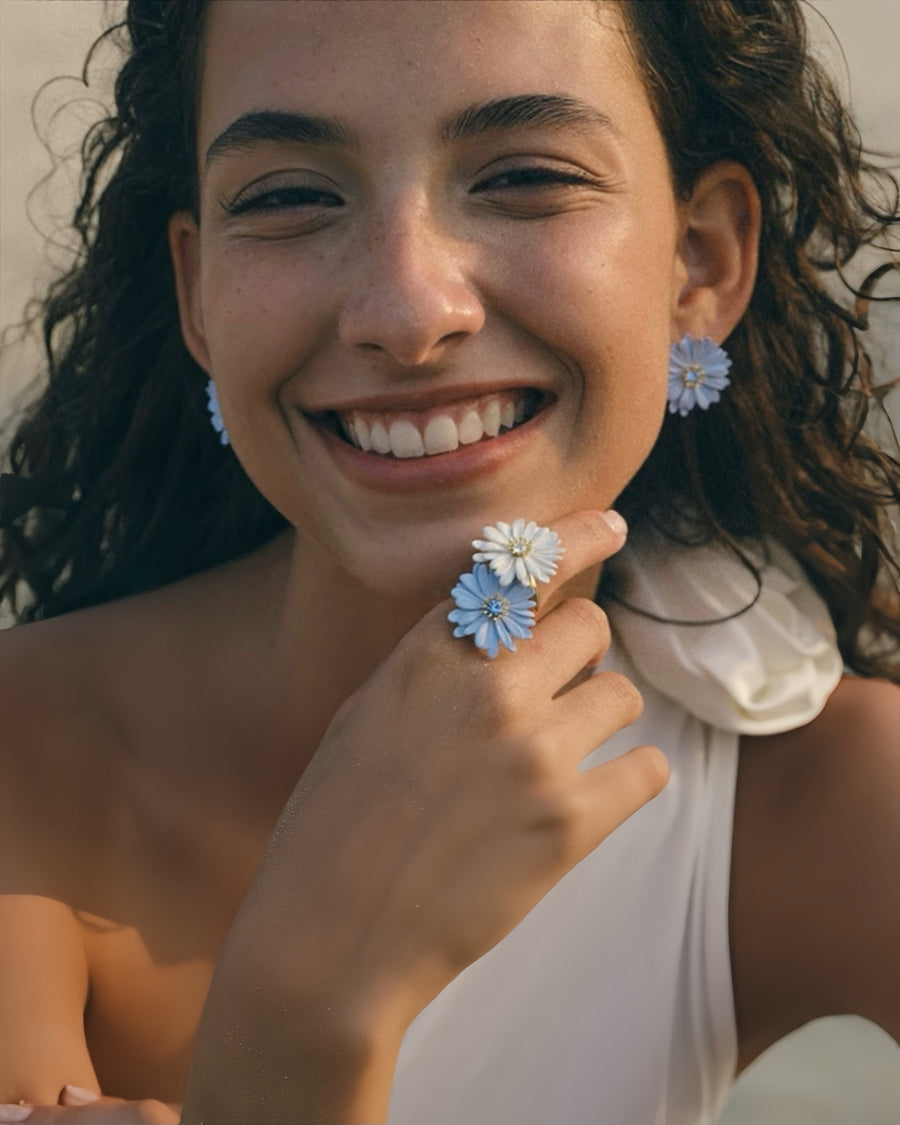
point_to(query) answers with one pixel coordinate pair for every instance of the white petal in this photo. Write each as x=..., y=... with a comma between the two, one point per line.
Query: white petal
x=498, y=534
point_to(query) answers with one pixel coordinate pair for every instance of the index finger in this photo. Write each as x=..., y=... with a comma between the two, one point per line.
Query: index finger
x=518, y=564
x=588, y=539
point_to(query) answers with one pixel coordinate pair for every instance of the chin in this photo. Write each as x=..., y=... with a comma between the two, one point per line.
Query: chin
x=422, y=581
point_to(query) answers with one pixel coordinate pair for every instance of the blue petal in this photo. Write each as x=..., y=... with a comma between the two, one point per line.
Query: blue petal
x=503, y=635
x=485, y=580
x=469, y=582
x=486, y=638
x=466, y=628
x=519, y=593
x=701, y=397
x=465, y=599
x=518, y=628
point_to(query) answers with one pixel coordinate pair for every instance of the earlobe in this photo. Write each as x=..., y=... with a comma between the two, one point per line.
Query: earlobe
x=719, y=252
x=184, y=248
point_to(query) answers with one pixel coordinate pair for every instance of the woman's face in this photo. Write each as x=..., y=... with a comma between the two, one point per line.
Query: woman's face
x=421, y=221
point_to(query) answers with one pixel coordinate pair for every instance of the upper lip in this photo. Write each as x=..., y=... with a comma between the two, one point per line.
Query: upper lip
x=419, y=399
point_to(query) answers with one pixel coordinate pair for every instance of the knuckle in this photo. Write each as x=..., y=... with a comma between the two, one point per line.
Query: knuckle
x=627, y=697
x=557, y=806
x=557, y=813
x=592, y=617
x=533, y=764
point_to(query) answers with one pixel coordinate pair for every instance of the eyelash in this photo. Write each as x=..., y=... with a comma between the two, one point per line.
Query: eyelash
x=533, y=176
x=256, y=201
x=538, y=176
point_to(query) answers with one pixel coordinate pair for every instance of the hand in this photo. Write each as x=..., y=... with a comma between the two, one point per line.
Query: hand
x=78, y=1106
x=443, y=803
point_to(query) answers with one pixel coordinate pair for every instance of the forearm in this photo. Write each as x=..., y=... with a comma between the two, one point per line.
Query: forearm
x=269, y=1054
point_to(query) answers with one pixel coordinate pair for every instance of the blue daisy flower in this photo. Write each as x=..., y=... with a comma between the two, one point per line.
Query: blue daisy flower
x=490, y=613
x=698, y=372
x=215, y=413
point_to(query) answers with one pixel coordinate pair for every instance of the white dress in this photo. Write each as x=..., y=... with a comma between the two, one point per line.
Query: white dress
x=611, y=1003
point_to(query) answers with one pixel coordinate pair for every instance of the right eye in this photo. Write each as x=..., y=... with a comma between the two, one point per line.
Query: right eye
x=286, y=198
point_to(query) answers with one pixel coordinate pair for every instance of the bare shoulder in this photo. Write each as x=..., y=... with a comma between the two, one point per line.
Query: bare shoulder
x=49, y=733
x=815, y=905
x=100, y=711
x=55, y=717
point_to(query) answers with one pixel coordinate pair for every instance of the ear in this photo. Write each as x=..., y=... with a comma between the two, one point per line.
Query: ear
x=718, y=252
x=184, y=248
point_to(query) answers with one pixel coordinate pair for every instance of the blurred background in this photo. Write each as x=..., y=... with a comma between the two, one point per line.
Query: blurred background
x=834, y=1072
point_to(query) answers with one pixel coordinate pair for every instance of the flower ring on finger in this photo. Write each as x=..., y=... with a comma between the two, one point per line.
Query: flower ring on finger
x=496, y=602
x=519, y=551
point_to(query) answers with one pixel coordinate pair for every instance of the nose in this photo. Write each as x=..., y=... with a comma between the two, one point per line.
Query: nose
x=411, y=298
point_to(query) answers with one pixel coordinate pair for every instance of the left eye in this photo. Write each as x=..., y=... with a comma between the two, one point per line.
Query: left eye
x=533, y=177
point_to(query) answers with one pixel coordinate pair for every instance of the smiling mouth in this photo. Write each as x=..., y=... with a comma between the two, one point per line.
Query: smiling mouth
x=407, y=434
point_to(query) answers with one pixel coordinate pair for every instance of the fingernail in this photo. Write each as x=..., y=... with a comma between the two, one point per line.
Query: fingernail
x=15, y=1112
x=80, y=1095
x=615, y=522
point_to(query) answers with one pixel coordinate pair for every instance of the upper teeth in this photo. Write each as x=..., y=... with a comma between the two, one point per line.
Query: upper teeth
x=439, y=430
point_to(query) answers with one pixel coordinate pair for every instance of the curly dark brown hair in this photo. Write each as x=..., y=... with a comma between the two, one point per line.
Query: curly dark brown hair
x=118, y=484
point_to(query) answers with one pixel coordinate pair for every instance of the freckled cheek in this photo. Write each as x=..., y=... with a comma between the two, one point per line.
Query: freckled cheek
x=603, y=299
x=262, y=315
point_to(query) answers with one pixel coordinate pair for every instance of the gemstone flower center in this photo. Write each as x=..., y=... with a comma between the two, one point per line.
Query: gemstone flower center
x=495, y=607
x=693, y=375
x=519, y=548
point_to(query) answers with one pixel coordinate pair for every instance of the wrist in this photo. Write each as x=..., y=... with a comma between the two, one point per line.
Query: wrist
x=273, y=1050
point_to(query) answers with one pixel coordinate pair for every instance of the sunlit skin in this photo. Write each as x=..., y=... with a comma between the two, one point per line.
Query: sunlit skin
x=422, y=269
x=399, y=260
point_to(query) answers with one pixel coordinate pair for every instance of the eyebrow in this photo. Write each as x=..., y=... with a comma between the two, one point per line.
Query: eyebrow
x=555, y=110
x=278, y=125
x=521, y=110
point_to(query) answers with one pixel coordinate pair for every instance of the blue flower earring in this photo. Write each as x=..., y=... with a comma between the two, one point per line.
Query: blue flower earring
x=215, y=415
x=698, y=372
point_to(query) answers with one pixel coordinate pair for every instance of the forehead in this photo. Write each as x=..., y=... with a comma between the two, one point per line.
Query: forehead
x=382, y=58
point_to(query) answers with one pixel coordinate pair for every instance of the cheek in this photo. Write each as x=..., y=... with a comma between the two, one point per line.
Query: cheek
x=611, y=318
x=601, y=295
x=262, y=312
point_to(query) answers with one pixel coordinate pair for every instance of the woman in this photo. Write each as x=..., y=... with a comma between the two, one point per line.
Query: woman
x=385, y=219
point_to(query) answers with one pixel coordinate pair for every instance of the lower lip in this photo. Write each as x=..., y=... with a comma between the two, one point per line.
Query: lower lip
x=421, y=474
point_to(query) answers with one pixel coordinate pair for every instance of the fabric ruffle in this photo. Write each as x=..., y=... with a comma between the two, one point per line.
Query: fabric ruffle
x=770, y=669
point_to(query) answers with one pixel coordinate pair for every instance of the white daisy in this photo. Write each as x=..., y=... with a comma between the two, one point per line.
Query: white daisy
x=519, y=552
